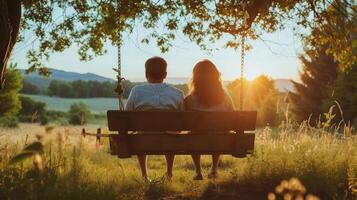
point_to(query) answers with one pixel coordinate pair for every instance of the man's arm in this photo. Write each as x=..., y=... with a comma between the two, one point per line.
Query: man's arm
x=130, y=103
x=181, y=106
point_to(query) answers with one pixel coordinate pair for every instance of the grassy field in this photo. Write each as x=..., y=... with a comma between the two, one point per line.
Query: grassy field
x=97, y=105
x=72, y=167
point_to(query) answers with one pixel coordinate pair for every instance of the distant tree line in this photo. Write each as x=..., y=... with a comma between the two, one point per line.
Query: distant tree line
x=29, y=88
x=83, y=89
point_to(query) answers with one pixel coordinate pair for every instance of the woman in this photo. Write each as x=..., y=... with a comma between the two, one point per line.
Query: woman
x=207, y=94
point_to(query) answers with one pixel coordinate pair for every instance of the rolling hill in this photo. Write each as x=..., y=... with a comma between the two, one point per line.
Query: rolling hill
x=282, y=85
x=43, y=82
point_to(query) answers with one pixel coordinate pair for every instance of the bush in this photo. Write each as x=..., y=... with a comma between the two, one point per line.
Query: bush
x=31, y=110
x=9, y=98
x=34, y=111
x=55, y=114
x=29, y=107
x=79, y=113
x=9, y=121
x=59, y=117
x=43, y=119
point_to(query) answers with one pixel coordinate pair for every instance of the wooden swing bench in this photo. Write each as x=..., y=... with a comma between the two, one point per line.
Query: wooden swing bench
x=181, y=133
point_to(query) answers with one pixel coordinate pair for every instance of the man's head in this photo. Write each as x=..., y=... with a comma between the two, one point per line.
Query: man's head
x=155, y=70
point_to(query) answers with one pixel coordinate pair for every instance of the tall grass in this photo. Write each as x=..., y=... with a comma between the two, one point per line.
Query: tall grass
x=76, y=168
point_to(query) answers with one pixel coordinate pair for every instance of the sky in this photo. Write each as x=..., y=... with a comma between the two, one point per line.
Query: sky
x=276, y=56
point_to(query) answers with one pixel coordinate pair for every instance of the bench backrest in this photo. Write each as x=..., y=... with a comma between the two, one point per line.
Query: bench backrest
x=124, y=121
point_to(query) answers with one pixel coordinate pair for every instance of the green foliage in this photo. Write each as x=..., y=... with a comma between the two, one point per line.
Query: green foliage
x=336, y=29
x=35, y=111
x=91, y=23
x=29, y=88
x=79, y=113
x=9, y=121
x=31, y=110
x=259, y=94
x=53, y=114
x=61, y=89
x=44, y=119
x=345, y=95
x=318, y=77
x=9, y=98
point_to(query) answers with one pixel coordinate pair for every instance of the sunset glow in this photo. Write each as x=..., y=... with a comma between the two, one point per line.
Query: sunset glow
x=252, y=73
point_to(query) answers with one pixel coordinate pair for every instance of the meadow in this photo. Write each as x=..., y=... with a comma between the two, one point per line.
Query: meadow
x=289, y=162
x=96, y=105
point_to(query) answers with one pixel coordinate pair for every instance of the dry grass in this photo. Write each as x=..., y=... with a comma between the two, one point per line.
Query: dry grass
x=75, y=168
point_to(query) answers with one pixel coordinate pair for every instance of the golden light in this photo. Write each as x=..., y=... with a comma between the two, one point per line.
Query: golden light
x=252, y=72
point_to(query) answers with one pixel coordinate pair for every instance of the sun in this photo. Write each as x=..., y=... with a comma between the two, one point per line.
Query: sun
x=249, y=73
x=252, y=73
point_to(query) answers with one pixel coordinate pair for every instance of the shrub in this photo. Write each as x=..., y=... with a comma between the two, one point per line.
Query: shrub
x=9, y=121
x=9, y=98
x=44, y=119
x=31, y=108
x=55, y=114
x=32, y=111
x=79, y=113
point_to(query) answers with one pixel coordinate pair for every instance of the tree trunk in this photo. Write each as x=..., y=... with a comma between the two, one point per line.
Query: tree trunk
x=10, y=15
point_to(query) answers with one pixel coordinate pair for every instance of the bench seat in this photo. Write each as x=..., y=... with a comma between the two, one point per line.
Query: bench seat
x=212, y=132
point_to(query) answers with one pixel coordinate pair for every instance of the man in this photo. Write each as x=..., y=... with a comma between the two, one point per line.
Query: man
x=155, y=95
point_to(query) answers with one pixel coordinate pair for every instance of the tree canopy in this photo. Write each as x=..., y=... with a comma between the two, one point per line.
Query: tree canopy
x=88, y=24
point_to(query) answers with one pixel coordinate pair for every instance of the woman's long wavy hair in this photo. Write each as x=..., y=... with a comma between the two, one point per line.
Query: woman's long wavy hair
x=206, y=84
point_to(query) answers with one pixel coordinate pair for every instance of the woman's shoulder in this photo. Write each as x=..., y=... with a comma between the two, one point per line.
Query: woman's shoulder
x=190, y=101
x=188, y=98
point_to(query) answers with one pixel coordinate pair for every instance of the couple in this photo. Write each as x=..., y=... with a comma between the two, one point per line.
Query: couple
x=206, y=94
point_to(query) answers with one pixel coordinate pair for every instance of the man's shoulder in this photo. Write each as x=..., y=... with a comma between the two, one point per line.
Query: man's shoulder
x=139, y=87
x=164, y=87
x=174, y=89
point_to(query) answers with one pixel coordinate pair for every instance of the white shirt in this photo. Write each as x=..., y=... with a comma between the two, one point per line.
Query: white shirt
x=151, y=96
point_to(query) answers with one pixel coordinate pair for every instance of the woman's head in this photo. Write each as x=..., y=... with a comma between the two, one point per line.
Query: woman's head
x=206, y=84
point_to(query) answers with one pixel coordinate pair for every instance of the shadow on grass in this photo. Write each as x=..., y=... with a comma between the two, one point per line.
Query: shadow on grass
x=232, y=190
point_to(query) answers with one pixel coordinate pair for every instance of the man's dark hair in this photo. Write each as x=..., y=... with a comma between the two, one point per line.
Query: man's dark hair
x=156, y=68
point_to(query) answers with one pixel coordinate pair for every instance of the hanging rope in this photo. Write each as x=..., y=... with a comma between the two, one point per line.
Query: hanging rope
x=119, y=89
x=242, y=55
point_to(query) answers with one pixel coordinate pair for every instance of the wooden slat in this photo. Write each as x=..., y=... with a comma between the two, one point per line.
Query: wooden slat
x=180, y=121
x=160, y=144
